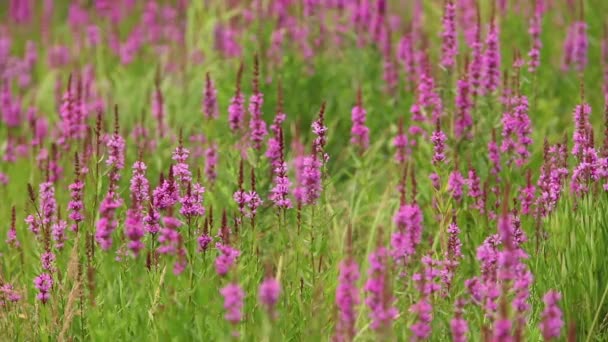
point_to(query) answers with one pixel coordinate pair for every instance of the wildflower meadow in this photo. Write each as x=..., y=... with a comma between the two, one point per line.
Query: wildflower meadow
x=303, y=170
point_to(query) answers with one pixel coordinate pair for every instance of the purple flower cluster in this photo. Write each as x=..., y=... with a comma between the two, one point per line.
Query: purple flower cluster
x=551, y=318
x=378, y=296
x=347, y=299
x=44, y=284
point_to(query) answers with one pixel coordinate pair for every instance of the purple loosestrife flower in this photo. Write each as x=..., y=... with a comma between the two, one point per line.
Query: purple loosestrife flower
x=169, y=238
x=226, y=259
x=378, y=297
x=551, y=318
x=47, y=260
x=390, y=74
x=203, y=242
x=586, y=171
x=44, y=284
x=406, y=55
x=458, y=325
x=280, y=192
x=236, y=109
x=464, y=105
x=476, y=67
x=8, y=293
x=401, y=145
x=494, y=155
x=581, y=44
x=438, y=139
x=134, y=230
x=404, y=241
x=526, y=195
x=455, y=185
x=516, y=131
x=181, y=170
x=253, y=200
x=158, y=105
x=320, y=131
x=58, y=233
x=452, y=255
x=72, y=124
x=309, y=186
x=210, y=99
x=20, y=11
x=211, y=158
x=76, y=205
x=166, y=195
x=569, y=47
x=257, y=126
x=33, y=224
x=192, y=202
x=48, y=204
x=347, y=300
x=11, y=235
x=428, y=101
x=359, y=132
x=275, y=147
x=474, y=184
x=233, y=302
x=491, y=60
x=268, y=293
x=116, y=153
x=449, y=43
x=535, y=31
x=140, y=187
x=152, y=220
x=107, y=222
x=424, y=315
x=582, y=127
x=423, y=309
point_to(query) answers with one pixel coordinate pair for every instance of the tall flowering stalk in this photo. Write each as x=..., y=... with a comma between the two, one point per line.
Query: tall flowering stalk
x=458, y=325
x=268, y=293
x=139, y=187
x=134, y=229
x=476, y=66
x=274, y=150
x=491, y=58
x=44, y=283
x=257, y=126
x=280, y=191
x=210, y=109
x=453, y=255
x=379, y=298
x=449, y=43
x=181, y=169
x=551, y=318
x=320, y=131
x=233, y=303
x=211, y=160
x=535, y=30
x=108, y=222
x=227, y=254
x=11, y=234
x=236, y=109
x=516, y=131
x=464, y=105
x=347, y=295
x=76, y=206
x=423, y=309
x=438, y=138
x=359, y=131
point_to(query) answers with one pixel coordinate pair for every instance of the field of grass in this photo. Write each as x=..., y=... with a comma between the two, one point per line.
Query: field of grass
x=285, y=170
